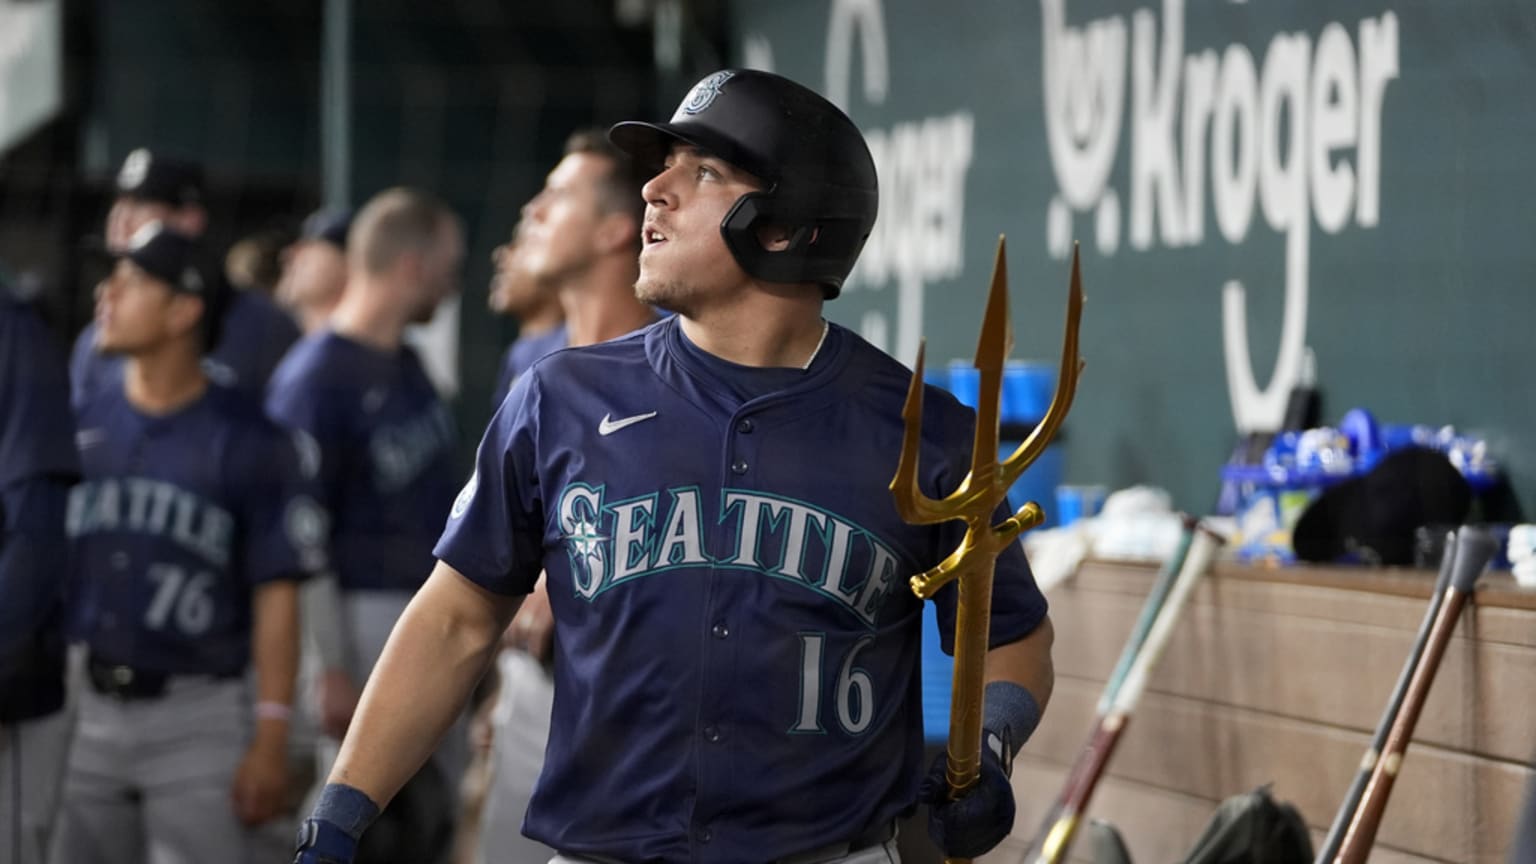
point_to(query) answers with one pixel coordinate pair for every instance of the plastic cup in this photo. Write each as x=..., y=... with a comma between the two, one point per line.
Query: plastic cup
x=1077, y=502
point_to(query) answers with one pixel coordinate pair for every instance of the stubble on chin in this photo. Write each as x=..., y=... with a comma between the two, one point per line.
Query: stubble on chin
x=671, y=295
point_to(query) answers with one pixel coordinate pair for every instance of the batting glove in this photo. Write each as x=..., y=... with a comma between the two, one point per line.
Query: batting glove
x=969, y=826
x=978, y=820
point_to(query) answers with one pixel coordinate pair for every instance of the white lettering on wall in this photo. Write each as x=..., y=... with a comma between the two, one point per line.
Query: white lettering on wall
x=922, y=165
x=1297, y=136
x=919, y=236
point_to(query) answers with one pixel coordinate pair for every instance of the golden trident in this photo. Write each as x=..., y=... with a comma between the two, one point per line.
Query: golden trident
x=984, y=488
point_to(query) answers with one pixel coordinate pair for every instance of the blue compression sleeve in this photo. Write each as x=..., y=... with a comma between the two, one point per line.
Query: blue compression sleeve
x=1009, y=716
x=346, y=807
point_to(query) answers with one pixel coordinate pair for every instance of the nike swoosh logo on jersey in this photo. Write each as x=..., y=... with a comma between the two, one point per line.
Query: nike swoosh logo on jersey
x=90, y=438
x=609, y=426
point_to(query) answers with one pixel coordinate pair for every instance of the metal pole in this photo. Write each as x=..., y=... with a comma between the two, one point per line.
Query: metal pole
x=336, y=104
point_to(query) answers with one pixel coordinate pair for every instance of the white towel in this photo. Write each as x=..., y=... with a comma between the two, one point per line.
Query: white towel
x=1522, y=543
x=1525, y=573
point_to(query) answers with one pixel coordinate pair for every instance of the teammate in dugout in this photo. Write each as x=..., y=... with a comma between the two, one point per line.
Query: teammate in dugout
x=154, y=187
x=736, y=673
x=358, y=395
x=37, y=466
x=191, y=528
x=535, y=304
x=315, y=269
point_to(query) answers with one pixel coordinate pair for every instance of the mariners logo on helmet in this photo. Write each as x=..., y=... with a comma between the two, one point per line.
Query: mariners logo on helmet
x=135, y=169
x=704, y=92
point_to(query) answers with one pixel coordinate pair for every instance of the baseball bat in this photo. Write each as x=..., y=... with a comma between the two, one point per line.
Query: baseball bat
x=1149, y=609
x=1474, y=548
x=1055, y=838
x=1352, y=796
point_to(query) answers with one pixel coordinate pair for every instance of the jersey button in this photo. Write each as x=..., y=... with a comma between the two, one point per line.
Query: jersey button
x=739, y=466
x=712, y=734
x=721, y=631
x=705, y=835
x=746, y=426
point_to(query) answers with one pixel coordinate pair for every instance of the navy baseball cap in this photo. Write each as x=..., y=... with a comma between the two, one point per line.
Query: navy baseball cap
x=168, y=256
x=153, y=177
x=330, y=224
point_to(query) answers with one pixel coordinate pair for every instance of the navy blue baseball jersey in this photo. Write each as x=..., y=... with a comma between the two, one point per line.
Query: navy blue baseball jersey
x=736, y=664
x=36, y=429
x=384, y=441
x=37, y=464
x=521, y=354
x=179, y=516
x=255, y=336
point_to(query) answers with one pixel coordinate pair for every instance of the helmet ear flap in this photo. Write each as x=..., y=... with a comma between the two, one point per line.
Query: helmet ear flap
x=800, y=261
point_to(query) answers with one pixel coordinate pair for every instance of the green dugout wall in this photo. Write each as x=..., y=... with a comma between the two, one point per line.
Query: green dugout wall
x=1247, y=180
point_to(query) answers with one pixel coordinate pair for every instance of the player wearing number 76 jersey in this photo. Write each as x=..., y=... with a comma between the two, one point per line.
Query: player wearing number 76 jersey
x=189, y=531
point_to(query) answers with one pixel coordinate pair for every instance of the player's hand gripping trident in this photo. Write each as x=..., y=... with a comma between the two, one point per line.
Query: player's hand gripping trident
x=977, y=498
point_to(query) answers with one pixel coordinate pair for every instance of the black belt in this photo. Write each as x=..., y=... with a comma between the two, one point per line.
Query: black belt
x=130, y=684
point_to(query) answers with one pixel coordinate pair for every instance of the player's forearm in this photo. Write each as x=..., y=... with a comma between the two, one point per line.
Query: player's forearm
x=1026, y=662
x=275, y=650
x=437, y=652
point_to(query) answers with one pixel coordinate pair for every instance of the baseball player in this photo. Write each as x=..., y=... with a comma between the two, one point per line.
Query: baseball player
x=384, y=442
x=37, y=466
x=255, y=261
x=536, y=306
x=315, y=268
x=576, y=245
x=190, y=529
x=736, y=663
x=157, y=188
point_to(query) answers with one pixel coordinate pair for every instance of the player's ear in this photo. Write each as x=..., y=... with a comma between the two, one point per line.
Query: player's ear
x=775, y=238
x=185, y=313
x=410, y=265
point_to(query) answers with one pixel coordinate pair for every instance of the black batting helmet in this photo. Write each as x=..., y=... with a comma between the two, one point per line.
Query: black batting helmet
x=819, y=178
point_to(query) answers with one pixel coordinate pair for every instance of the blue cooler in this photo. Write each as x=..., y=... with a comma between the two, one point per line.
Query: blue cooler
x=1027, y=391
x=938, y=672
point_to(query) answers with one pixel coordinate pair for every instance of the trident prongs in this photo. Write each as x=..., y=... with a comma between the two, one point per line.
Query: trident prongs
x=974, y=502
x=1066, y=385
x=988, y=482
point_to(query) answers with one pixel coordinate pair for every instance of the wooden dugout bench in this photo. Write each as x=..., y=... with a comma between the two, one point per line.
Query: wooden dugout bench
x=1280, y=676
